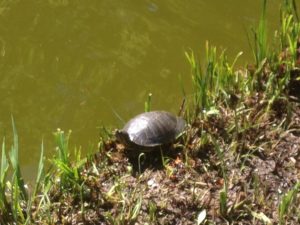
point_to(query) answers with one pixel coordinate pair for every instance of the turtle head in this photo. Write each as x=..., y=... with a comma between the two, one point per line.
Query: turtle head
x=122, y=137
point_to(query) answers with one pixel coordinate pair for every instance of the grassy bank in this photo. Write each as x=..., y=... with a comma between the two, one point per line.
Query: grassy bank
x=237, y=162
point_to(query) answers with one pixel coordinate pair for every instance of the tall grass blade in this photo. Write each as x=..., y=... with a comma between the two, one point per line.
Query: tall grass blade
x=259, y=47
x=148, y=103
x=136, y=209
x=62, y=145
x=14, y=158
x=3, y=174
x=40, y=170
x=223, y=201
x=261, y=36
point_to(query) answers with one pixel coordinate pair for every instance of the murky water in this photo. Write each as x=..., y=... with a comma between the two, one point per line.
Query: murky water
x=77, y=64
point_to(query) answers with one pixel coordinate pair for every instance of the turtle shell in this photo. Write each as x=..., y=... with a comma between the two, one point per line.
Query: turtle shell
x=154, y=128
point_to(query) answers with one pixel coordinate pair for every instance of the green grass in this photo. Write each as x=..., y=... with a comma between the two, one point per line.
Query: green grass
x=222, y=120
x=3, y=175
x=69, y=173
x=148, y=103
x=286, y=203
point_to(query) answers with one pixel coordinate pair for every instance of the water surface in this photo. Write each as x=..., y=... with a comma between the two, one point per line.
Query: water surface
x=76, y=64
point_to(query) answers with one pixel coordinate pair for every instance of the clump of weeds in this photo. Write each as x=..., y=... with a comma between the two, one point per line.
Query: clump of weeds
x=236, y=163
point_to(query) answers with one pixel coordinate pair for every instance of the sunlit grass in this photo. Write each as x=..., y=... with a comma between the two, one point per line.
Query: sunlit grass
x=69, y=173
x=148, y=103
x=3, y=174
x=220, y=92
x=286, y=203
x=217, y=81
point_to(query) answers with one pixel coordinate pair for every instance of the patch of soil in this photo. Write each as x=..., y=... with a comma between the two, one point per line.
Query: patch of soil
x=173, y=186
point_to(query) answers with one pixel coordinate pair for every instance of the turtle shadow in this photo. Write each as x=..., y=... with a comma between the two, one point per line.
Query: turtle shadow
x=294, y=84
x=153, y=160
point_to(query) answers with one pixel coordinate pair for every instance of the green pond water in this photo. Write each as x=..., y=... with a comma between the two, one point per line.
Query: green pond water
x=76, y=65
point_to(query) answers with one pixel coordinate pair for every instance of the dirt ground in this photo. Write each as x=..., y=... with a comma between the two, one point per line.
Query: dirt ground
x=231, y=177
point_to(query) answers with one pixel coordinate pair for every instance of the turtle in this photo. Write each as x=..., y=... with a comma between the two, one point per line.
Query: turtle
x=149, y=130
